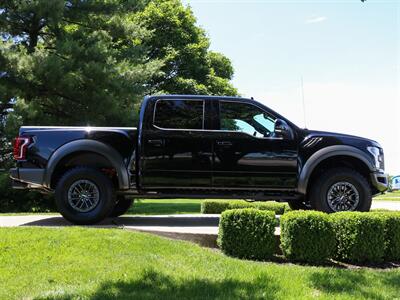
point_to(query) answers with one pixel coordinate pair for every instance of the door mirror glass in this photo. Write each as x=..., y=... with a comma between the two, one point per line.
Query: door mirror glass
x=282, y=129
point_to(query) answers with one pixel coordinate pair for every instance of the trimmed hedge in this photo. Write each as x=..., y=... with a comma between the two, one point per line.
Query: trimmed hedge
x=214, y=206
x=219, y=206
x=392, y=234
x=307, y=236
x=247, y=233
x=360, y=237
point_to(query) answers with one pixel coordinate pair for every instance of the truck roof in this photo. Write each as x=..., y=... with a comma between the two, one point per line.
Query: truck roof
x=202, y=97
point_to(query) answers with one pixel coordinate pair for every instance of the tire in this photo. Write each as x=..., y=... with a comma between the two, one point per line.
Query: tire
x=84, y=196
x=121, y=207
x=340, y=189
x=299, y=205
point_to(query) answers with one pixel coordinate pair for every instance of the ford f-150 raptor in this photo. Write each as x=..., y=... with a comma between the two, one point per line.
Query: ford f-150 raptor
x=197, y=147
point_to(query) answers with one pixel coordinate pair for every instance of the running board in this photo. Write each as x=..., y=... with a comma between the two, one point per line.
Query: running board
x=261, y=196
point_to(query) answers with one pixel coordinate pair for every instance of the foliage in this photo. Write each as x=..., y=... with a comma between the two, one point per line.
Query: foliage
x=360, y=237
x=392, y=234
x=189, y=67
x=21, y=201
x=247, y=233
x=218, y=206
x=214, y=206
x=74, y=62
x=307, y=236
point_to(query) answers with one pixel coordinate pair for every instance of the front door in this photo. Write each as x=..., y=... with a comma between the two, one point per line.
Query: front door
x=248, y=154
x=176, y=154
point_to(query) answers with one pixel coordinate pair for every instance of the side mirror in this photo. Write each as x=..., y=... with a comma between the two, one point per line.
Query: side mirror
x=283, y=130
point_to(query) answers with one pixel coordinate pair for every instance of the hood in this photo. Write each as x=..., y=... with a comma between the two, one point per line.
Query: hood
x=340, y=138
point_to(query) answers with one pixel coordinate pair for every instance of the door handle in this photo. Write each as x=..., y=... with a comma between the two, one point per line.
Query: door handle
x=224, y=143
x=156, y=143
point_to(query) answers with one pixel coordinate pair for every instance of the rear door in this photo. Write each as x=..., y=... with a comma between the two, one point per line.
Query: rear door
x=248, y=154
x=176, y=153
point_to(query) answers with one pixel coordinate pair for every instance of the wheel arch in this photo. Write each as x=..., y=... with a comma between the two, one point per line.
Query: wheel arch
x=100, y=153
x=342, y=155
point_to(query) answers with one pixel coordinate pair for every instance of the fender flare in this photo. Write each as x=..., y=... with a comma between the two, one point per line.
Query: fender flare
x=88, y=146
x=324, y=153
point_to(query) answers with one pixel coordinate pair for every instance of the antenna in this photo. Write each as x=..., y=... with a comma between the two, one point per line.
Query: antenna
x=304, y=102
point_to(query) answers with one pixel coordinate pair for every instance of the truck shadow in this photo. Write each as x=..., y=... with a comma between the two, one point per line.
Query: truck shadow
x=124, y=221
x=200, y=229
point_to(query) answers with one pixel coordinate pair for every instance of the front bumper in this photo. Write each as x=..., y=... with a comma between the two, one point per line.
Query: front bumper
x=27, y=178
x=380, y=181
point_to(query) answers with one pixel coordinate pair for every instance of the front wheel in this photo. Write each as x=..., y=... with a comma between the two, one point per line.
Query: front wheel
x=340, y=189
x=84, y=196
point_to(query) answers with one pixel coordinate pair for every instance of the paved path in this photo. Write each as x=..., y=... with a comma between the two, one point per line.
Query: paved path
x=391, y=205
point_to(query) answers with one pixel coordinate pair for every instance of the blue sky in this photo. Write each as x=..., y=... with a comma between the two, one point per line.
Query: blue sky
x=347, y=52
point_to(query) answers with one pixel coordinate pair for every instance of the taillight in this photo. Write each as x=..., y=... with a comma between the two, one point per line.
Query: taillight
x=20, y=145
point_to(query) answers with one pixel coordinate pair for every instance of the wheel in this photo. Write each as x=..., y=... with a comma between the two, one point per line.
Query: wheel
x=340, y=189
x=84, y=196
x=299, y=204
x=121, y=207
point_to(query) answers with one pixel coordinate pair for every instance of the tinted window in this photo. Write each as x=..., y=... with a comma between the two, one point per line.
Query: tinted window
x=179, y=114
x=242, y=117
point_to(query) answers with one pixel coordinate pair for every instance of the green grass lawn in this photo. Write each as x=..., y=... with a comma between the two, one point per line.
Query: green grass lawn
x=165, y=207
x=150, y=207
x=82, y=263
x=389, y=196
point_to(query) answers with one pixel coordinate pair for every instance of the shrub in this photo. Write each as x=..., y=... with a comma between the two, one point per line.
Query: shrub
x=238, y=204
x=278, y=208
x=214, y=206
x=21, y=201
x=360, y=237
x=218, y=206
x=392, y=234
x=307, y=236
x=247, y=233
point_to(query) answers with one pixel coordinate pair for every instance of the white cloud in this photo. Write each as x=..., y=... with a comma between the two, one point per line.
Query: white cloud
x=316, y=19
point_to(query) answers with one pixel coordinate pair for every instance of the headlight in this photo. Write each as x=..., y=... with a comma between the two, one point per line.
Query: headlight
x=377, y=153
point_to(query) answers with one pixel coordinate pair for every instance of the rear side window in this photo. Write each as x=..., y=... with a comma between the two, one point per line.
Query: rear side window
x=179, y=114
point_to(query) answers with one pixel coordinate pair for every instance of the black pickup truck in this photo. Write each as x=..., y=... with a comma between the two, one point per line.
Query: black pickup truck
x=197, y=147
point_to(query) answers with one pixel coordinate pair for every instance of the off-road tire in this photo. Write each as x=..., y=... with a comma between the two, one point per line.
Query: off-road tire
x=105, y=200
x=321, y=186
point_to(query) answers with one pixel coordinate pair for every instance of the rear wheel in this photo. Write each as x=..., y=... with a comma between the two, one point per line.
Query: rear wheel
x=341, y=189
x=84, y=196
x=121, y=207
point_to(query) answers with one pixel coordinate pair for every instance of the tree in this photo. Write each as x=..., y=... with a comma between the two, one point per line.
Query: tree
x=74, y=62
x=189, y=67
